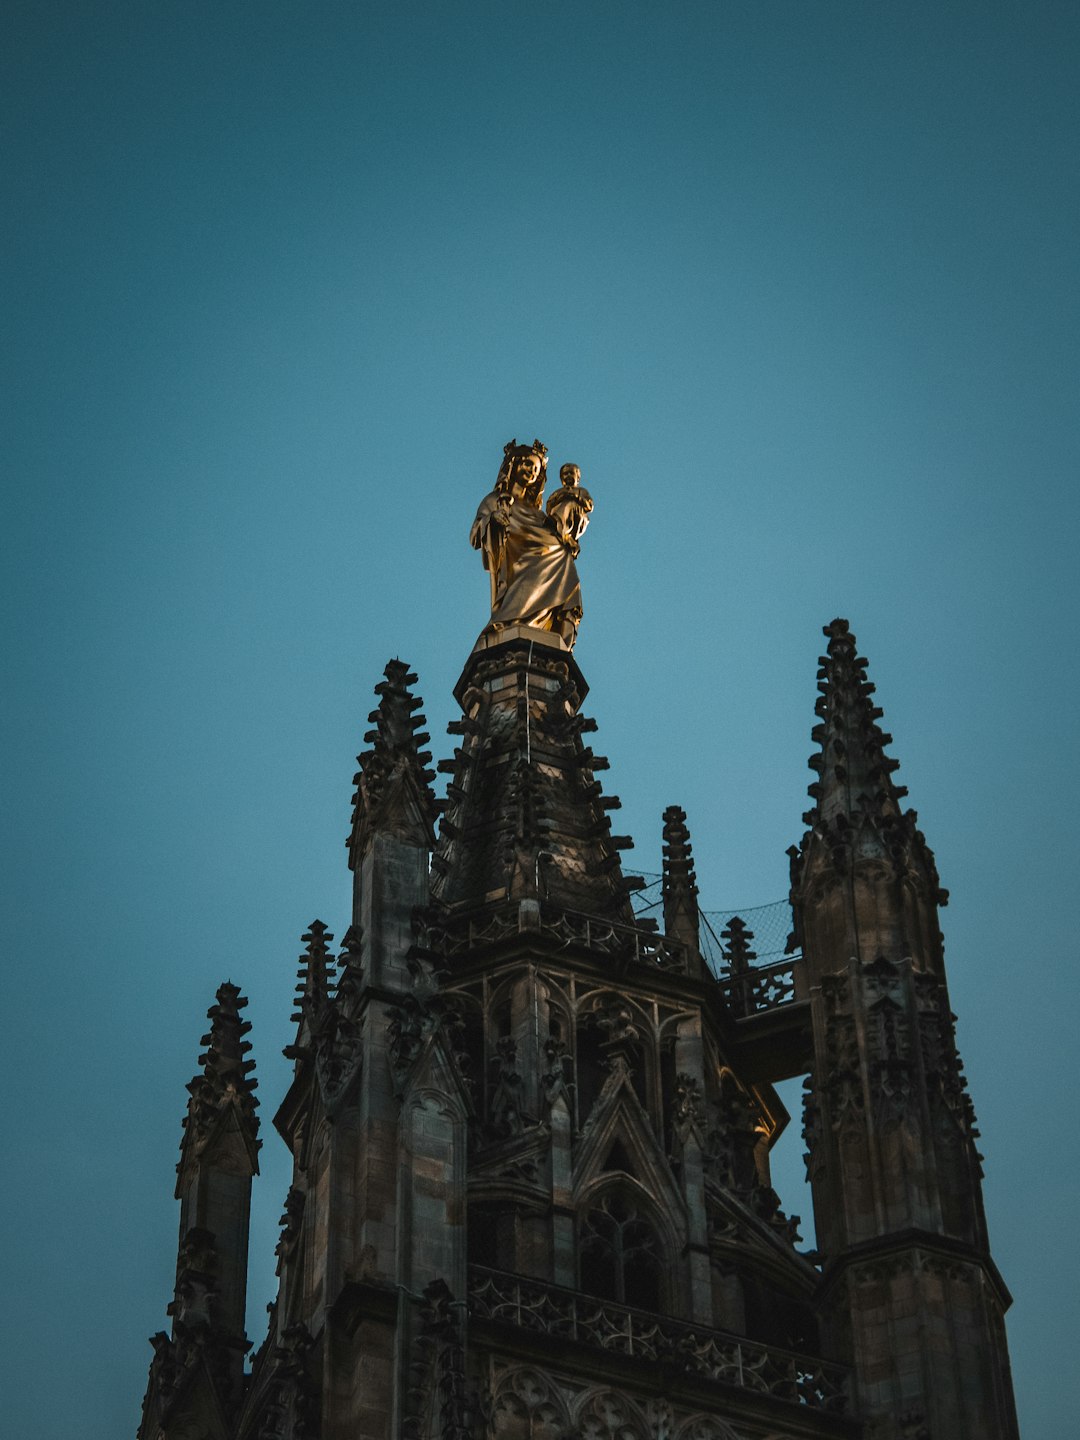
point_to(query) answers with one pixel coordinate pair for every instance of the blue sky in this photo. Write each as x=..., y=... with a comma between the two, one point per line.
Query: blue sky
x=794, y=283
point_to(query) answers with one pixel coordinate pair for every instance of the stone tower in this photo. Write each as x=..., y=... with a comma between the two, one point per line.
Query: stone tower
x=530, y=1132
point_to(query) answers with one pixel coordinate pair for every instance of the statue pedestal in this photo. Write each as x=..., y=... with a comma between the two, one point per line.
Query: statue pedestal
x=501, y=654
x=490, y=638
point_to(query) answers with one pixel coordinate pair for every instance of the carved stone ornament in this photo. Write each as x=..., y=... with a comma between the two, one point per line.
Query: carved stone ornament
x=526, y=1405
x=843, y=1085
x=606, y=1415
x=504, y=1112
x=337, y=1055
x=293, y=1409
x=705, y=1427
x=688, y=1109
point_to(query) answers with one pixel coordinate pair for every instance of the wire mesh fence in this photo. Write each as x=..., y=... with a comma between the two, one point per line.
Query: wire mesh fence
x=769, y=925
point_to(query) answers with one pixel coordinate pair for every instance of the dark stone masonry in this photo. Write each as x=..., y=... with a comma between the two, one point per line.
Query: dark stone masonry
x=531, y=1131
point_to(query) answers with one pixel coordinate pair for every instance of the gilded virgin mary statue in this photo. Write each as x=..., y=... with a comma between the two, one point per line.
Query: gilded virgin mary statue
x=528, y=553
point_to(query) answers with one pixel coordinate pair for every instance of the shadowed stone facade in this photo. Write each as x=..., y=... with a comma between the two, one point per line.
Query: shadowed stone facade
x=530, y=1133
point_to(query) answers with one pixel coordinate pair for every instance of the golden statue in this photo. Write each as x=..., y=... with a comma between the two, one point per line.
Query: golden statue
x=529, y=554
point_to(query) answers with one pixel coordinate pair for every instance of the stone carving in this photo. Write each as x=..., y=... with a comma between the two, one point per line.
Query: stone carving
x=688, y=1109
x=195, y=1289
x=441, y=1317
x=842, y=1084
x=616, y=1021
x=290, y=1222
x=526, y=1405
x=705, y=1427
x=945, y=1074
x=337, y=1055
x=293, y=1411
x=812, y=1132
x=733, y=1134
x=504, y=1111
x=606, y=1415
x=557, y=1078
x=530, y=555
x=410, y=1021
x=450, y=938
x=891, y=1077
x=618, y=1329
x=660, y=1418
x=913, y=1426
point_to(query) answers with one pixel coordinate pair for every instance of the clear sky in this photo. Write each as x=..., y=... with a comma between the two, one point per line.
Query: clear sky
x=796, y=284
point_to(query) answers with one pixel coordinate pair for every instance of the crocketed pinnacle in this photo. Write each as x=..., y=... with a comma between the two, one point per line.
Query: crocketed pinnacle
x=226, y=1080
x=737, y=952
x=856, y=812
x=679, y=885
x=313, y=993
x=393, y=783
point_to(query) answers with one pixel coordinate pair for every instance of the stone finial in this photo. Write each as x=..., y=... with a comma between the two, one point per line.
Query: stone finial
x=679, y=886
x=394, y=782
x=739, y=957
x=856, y=806
x=314, y=989
x=225, y=1084
x=226, y=1073
x=737, y=941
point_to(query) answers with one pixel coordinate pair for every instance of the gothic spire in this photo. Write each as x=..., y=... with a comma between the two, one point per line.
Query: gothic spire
x=201, y=1363
x=393, y=783
x=226, y=1082
x=856, y=811
x=525, y=817
x=679, y=886
x=313, y=991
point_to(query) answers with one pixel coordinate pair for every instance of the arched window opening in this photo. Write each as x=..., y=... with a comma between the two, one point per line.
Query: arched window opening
x=591, y=1069
x=620, y=1253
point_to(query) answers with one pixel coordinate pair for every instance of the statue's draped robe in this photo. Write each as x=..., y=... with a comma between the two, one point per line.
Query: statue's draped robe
x=536, y=579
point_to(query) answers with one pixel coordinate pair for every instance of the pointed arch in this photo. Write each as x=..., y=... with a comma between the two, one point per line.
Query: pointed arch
x=708, y=1427
x=604, y=1414
x=526, y=1404
x=621, y=1254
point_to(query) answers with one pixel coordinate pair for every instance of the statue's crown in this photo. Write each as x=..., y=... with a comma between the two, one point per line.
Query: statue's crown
x=512, y=450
